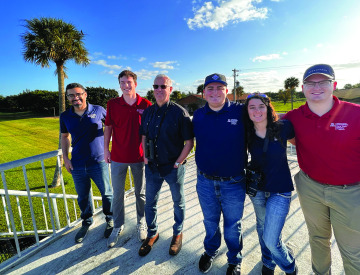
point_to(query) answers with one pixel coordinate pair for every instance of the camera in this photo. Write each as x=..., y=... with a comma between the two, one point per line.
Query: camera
x=149, y=149
x=253, y=180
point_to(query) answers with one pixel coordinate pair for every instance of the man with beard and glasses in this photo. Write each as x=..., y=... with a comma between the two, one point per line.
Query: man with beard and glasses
x=84, y=122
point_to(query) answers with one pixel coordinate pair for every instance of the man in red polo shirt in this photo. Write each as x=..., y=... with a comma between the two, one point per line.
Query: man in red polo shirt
x=122, y=122
x=327, y=133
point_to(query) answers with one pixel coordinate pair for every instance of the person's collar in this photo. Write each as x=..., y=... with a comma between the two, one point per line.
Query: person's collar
x=164, y=106
x=123, y=102
x=309, y=113
x=223, y=109
x=89, y=107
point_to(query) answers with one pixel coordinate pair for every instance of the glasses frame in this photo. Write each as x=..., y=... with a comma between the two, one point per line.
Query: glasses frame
x=163, y=86
x=322, y=83
x=71, y=96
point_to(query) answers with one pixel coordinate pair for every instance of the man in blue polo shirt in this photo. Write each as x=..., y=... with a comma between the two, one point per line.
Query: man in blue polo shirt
x=220, y=157
x=83, y=121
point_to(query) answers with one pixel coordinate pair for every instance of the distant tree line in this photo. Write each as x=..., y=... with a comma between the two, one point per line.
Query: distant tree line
x=349, y=86
x=45, y=102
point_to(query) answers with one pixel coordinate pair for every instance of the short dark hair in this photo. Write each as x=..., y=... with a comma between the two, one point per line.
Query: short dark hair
x=74, y=85
x=128, y=73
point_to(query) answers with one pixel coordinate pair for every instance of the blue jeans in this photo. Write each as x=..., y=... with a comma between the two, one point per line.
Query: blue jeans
x=99, y=173
x=226, y=197
x=271, y=210
x=154, y=181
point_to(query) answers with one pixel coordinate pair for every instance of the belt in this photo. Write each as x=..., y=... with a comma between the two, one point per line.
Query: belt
x=215, y=177
x=340, y=185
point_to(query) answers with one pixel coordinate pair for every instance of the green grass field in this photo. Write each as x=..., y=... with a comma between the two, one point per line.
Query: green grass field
x=280, y=107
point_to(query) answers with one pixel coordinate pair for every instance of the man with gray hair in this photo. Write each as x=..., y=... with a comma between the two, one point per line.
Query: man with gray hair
x=167, y=138
x=84, y=122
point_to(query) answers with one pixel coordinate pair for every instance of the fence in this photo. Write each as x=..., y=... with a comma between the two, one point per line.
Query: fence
x=53, y=206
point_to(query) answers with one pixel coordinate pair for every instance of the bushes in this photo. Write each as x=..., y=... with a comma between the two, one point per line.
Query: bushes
x=44, y=102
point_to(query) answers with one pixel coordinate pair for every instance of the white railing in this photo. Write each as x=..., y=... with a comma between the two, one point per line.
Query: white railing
x=50, y=203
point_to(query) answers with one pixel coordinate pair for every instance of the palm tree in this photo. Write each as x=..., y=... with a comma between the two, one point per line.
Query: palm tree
x=51, y=39
x=200, y=90
x=291, y=83
x=239, y=92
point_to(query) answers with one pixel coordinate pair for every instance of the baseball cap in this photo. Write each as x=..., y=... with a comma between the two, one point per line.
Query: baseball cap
x=215, y=78
x=323, y=69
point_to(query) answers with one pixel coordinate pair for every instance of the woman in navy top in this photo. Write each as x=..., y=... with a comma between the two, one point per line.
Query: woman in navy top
x=272, y=201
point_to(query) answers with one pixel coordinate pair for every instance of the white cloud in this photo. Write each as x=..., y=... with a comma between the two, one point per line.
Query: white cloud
x=103, y=63
x=319, y=45
x=285, y=53
x=230, y=11
x=146, y=75
x=141, y=59
x=98, y=53
x=117, y=57
x=164, y=65
x=266, y=57
x=305, y=50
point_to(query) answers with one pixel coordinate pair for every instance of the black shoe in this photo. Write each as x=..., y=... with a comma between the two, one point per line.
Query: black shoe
x=294, y=272
x=148, y=244
x=109, y=228
x=205, y=262
x=266, y=271
x=233, y=269
x=80, y=236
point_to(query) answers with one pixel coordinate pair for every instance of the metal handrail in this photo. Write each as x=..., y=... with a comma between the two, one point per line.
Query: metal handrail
x=51, y=199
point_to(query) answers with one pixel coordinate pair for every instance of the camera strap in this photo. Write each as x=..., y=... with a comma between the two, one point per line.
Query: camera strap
x=265, y=147
x=160, y=124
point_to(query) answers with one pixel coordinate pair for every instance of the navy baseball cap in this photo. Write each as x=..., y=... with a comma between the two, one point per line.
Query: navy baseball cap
x=215, y=78
x=323, y=69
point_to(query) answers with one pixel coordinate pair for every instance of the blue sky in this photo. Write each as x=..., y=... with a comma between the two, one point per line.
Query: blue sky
x=267, y=41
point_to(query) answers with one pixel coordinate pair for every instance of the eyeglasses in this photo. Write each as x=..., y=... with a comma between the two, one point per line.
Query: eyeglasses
x=256, y=94
x=322, y=84
x=161, y=86
x=71, y=96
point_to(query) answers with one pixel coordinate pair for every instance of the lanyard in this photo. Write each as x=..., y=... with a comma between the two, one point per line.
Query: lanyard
x=160, y=124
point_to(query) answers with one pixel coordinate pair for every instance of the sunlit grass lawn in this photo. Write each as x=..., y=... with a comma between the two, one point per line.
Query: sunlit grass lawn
x=280, y=107
x=24, y=135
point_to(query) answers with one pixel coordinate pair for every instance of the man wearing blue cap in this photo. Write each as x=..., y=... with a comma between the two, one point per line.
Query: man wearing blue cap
x=327, y=133
x=220, y=157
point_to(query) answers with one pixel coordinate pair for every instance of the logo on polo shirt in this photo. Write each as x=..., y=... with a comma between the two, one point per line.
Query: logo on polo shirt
x=92, y=116
x=339, y=126
x=233, y=121
x=140, y=111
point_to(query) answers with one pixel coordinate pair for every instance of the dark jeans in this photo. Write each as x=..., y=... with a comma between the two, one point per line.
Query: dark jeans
x=154, y=181
x=226, y=197
x=82, y=176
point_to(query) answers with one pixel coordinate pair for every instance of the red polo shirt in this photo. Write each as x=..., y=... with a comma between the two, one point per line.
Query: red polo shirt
x=328, y=147
x=125, y=121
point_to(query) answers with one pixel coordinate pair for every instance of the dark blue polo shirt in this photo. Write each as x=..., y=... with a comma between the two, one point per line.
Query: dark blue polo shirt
x=274, y=165
x=170, y=125
x=220, y=140
x=87, y=135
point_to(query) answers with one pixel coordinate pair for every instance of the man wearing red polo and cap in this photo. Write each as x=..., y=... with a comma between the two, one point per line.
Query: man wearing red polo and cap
x=327, y=134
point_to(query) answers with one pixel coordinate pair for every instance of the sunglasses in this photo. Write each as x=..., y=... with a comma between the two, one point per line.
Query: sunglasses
x=256, y=94
x=161, y=86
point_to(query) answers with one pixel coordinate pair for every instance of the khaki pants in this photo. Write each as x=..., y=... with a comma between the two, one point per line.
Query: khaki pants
x=326, y=206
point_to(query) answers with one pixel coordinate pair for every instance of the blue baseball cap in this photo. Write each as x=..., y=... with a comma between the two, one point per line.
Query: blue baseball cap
x=215, y=78
x=323, y=69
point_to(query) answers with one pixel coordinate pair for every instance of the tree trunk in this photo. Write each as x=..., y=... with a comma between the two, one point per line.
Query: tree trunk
x=60, y=73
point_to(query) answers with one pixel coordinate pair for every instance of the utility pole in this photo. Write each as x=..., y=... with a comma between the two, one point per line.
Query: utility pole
x=235, y=75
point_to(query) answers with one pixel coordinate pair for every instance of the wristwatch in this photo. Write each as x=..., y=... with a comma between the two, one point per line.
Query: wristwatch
x=177, y=164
